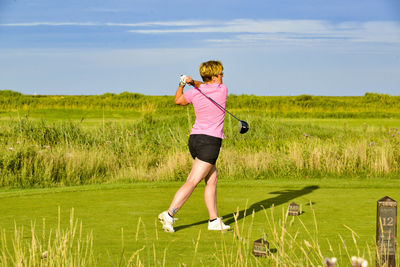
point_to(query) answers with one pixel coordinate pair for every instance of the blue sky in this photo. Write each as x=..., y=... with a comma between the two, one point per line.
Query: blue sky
x=281, y=47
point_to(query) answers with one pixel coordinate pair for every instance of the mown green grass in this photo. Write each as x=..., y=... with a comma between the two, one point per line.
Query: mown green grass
x=338, y=204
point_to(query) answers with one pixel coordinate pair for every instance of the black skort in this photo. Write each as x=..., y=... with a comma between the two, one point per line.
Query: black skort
x=205, y=147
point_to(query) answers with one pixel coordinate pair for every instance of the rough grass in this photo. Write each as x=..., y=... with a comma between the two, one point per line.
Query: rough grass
x=110, y=138
x=38, y=152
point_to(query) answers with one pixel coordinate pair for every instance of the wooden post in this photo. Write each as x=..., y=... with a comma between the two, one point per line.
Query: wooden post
x=386, y=232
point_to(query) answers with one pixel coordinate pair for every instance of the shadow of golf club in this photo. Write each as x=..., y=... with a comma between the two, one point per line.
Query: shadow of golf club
x=282, y=197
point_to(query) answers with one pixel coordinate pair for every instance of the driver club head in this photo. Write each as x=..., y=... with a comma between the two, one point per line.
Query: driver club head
x=243, y=127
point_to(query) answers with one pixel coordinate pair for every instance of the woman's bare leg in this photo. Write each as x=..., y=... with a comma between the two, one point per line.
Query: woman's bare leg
x=210, y=193
x=199, y=171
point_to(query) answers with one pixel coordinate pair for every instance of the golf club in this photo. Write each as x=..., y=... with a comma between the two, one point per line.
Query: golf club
x=243, y=126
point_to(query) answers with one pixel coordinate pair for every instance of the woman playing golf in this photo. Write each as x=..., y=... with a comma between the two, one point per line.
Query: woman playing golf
x=204, y=141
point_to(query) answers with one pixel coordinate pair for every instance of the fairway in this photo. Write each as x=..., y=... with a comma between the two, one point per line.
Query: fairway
x=107, y=209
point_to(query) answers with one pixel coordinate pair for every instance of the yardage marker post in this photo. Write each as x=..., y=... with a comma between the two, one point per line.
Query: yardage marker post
x=386, y=232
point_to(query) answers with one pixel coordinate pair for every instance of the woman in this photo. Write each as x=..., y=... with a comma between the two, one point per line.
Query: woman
x=204, y=142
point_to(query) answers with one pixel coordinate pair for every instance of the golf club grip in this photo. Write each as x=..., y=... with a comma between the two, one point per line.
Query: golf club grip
x=212, y=100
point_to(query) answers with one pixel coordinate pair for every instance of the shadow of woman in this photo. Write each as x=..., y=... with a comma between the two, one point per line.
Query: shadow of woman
x=282, y=197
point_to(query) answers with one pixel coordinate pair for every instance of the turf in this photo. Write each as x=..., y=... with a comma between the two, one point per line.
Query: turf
x=106, y=209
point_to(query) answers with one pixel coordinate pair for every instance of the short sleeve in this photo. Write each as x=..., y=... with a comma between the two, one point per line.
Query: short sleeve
x=188, y=95
x=225, y=90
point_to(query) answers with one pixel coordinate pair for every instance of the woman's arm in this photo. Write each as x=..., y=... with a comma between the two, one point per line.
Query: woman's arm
x=192, y=82
x=179, y=98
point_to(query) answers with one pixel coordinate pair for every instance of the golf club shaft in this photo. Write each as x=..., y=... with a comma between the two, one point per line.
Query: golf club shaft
x=217, y=103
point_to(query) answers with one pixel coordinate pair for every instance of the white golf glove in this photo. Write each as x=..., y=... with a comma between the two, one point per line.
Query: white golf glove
x=182, y=81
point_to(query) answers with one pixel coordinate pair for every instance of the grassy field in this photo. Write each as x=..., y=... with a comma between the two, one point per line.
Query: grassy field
x=117, y=160
x=51, y=148
x=110, y=210
x=371, y=105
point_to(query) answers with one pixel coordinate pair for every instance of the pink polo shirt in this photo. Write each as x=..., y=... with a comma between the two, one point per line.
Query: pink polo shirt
x=209, y=117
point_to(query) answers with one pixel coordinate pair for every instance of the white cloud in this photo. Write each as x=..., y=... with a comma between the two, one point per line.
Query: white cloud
x=43, y=23
x=378, y=31
x=110, y=24
x=244, y=31
x=290, y=30
x=240, y=26
x=160, y=23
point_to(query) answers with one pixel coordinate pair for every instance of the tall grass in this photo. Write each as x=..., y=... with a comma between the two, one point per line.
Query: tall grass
x=40, y=153
x=54, y=247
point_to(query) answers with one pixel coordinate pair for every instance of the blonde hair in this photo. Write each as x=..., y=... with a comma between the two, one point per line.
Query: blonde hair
x=209, y=69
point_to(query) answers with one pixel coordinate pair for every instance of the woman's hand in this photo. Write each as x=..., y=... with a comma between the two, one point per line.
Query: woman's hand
x=189, y=80
x=179, y=98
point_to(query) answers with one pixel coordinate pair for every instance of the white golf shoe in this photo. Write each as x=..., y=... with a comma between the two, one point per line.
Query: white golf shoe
x=166, y=221
x=218, y=225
